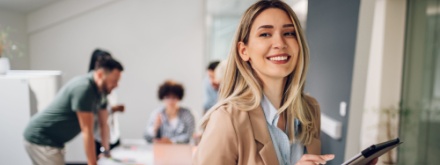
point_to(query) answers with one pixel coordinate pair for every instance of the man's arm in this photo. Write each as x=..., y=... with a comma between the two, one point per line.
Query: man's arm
x=86, y=123
x=105, y=135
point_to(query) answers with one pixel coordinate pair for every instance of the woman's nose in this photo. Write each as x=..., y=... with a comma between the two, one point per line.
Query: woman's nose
x=279, y=42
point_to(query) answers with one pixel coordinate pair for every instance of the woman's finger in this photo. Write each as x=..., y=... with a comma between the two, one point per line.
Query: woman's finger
x=321, y=159
x=374, y=161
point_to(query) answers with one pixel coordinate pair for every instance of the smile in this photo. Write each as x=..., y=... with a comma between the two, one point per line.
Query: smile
x=279, y=59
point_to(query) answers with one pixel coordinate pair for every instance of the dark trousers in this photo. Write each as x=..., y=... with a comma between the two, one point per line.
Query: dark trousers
x=98, y=146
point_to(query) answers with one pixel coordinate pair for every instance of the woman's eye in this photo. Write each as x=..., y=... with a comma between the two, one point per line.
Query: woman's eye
x=290, y=34
x=264, y=35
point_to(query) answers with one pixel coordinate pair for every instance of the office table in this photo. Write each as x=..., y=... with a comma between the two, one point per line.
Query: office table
x=130, y=154
x=140, y=153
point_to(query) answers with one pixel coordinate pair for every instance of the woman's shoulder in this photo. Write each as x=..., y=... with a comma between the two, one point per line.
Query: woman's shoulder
x=311, y=100
x=185, y=111
x=158, y=110
x=221, y=114
x=313, y=103
x=229, y=111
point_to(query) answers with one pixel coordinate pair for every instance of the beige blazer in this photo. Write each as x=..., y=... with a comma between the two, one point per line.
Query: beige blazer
x=241, y=137
x=236, y=137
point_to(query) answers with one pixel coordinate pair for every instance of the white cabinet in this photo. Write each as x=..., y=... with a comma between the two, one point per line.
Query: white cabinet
x=22, y=94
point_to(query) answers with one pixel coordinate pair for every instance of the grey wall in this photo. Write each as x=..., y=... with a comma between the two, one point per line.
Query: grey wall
x=331, y=32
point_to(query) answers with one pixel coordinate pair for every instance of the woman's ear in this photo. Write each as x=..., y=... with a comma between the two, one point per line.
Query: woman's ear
x=242, y=50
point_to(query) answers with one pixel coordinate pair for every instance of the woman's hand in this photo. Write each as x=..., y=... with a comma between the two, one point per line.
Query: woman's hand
x=157, y=123
x=309, y=159
x=373, y=162
x=118, y=108
x=163, y=141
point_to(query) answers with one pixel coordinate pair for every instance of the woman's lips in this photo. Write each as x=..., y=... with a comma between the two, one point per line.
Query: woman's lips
x=279, y=59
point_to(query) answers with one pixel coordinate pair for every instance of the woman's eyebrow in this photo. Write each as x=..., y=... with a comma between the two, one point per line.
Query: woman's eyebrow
x=265, y=27
x=270, y=26
x=288, y=25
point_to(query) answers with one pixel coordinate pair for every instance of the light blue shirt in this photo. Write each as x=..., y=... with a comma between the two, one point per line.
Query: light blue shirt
x=287, y=153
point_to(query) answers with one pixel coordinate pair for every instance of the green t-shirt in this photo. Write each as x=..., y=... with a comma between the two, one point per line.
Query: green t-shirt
x=58, y=123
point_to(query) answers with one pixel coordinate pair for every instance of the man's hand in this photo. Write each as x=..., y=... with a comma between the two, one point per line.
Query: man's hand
x=104, y=128
x=105, y=154
x=118, y=108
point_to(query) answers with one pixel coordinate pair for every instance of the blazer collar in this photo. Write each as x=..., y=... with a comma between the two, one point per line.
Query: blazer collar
x=262, y=135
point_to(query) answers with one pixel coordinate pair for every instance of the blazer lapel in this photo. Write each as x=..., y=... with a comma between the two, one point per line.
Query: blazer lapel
x=262, y=135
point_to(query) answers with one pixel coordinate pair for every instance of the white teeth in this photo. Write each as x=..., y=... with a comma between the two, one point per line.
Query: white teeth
x=279, y=58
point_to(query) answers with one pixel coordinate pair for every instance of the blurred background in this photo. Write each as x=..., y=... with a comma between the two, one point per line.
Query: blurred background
x=374, y=69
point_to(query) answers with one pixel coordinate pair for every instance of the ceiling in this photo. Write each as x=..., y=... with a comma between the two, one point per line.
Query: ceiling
x=234, y=7
x=24, y=6
x=215, y=7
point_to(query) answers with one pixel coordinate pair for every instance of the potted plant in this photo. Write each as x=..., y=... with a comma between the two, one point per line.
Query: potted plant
x=379, y=125
x=4, y=62
x=8, y=49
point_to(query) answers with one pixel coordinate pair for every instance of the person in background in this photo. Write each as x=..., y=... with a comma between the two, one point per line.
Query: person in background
x=220, y=72
x=112, y=108
x=71, y=112
x=211, y=87
x=170, y=123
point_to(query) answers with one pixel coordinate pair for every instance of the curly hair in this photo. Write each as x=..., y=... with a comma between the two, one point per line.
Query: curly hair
x=170, y=87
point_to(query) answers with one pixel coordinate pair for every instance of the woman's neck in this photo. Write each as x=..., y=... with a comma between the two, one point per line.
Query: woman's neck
x=171, y=111
x=273, y=90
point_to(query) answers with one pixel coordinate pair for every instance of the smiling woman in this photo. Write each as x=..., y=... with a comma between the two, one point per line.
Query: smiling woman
x=263, y=116
x=272, y=43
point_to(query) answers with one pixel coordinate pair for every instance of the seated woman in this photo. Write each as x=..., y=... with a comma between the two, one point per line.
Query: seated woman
x=170, y=123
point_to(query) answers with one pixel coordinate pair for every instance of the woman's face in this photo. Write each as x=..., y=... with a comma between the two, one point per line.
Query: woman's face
x=272, y=48
x=171, y=101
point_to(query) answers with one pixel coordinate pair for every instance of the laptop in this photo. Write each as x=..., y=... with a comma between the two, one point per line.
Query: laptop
x=172, y=154
x=372, y=152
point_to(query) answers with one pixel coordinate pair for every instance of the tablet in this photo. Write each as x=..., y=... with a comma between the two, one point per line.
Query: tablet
x=372, y=152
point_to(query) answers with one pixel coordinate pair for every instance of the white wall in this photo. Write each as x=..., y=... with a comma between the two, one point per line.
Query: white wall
x=17, y=23
x=377, y=76
x=154, y=40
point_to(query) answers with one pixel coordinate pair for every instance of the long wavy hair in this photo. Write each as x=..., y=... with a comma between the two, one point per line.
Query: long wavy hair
x=242, y=88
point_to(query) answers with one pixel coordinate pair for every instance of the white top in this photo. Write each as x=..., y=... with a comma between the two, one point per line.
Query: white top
x=112, y=121
x=287, y=153
x=270, y=111
x=174, y=122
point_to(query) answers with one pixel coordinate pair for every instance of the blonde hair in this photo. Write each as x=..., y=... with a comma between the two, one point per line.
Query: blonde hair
x=220, y=71
x=242, y=89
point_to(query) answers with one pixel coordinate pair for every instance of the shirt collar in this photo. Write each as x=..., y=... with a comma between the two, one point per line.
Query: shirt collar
x=94, y=85
x=270, y=111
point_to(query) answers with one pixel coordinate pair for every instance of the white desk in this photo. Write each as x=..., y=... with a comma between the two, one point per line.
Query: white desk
x=131, y=151
x=133, y=155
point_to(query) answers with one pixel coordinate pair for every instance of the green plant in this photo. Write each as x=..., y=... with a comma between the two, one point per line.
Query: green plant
x=392, y=125
x=8, y=47
x=387, y=127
